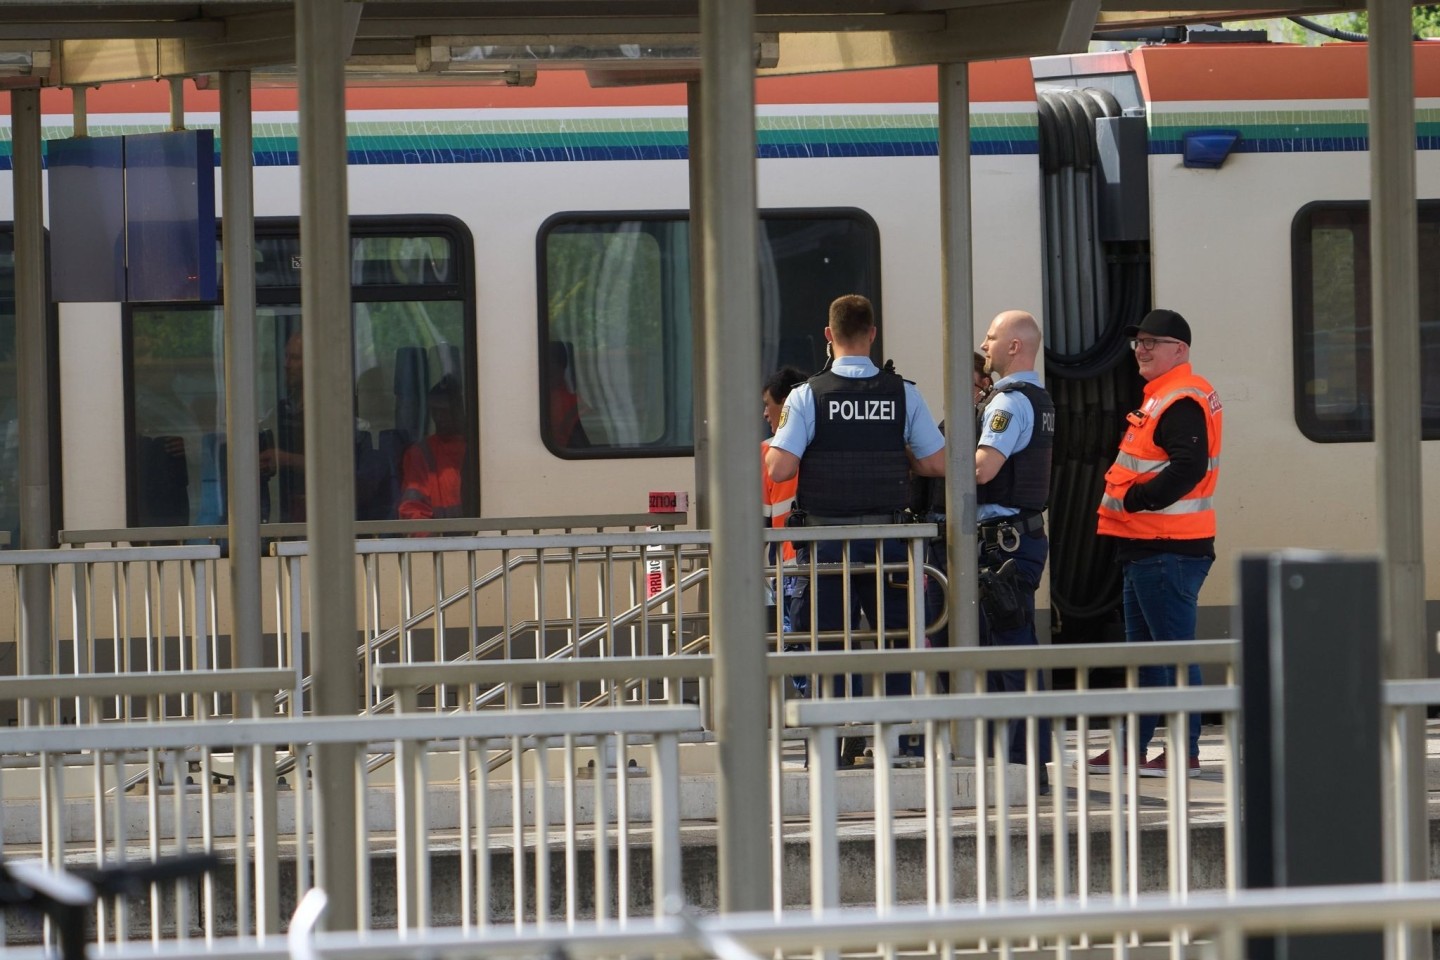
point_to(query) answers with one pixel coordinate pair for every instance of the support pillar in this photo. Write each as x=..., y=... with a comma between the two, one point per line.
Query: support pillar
x=1395, y=320
x=958, y=339
x=32, y=366
x=700, y=504
x=320, y=29
x=241, y=406
x=732, y=338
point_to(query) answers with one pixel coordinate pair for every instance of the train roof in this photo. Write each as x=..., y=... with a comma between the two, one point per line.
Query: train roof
x=507, y=42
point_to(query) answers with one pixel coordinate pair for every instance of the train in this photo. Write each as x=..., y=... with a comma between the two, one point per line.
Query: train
x=532, y=243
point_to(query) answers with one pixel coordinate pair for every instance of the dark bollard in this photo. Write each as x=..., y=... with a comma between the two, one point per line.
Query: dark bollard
x=1310, y=678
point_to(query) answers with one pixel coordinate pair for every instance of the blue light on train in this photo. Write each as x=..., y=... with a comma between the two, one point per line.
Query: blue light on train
x=1208, y=149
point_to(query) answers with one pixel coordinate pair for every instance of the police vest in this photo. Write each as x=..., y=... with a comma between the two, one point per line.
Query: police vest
x=856, y=464
x=1024, y=479
x=1192, y=517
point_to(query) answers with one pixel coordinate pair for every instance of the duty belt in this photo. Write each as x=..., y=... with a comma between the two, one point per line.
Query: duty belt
x=862, y=519
x=1005, y=532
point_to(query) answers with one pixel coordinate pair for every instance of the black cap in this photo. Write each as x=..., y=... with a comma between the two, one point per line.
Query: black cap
x=1162, y=323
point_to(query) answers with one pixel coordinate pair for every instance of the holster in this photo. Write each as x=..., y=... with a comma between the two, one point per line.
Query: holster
x=1001, y=599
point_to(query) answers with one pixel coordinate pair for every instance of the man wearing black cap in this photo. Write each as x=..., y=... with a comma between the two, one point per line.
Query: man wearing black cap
x=1158, y=504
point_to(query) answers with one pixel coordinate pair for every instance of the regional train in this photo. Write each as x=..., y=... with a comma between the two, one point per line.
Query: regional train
x=533, y=244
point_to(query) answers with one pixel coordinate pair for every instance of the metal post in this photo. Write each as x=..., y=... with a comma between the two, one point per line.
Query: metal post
x=241, y=405
x=700, y=505
x=242, y=441
x=329, y=434
x=732, y=338
x=79, y=111
x=32, y=370
x=177, y=103
x=1395, y=319
x=958, y=339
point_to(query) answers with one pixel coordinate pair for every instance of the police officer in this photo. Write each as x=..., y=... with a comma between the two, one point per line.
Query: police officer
x=1012, y=482
x=854, y=433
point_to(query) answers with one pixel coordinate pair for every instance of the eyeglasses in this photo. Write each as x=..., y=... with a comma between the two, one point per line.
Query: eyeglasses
x=1149, y=342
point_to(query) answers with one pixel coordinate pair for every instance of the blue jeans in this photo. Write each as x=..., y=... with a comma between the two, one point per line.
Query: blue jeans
x=1161, y=596
x=829, y=599
x=1029, y=559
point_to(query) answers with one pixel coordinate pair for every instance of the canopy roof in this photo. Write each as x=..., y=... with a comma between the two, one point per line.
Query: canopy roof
x=67, y=43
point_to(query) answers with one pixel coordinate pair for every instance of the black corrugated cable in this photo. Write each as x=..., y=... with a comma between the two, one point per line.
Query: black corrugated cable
x=1334, y=33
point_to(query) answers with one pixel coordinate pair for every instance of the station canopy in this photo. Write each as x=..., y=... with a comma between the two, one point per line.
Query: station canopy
x=70, y=43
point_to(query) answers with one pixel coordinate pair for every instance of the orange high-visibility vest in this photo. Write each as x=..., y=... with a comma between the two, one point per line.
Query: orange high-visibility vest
x=432, y=471
x=1192, y=517
x=777, y=500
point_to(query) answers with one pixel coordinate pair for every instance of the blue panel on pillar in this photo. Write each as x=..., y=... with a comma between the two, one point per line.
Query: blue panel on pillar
x=170, y=216
x=87, y=219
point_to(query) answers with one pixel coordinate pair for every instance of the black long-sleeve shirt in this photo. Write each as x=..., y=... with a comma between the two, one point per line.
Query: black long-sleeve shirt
x=1184, y=436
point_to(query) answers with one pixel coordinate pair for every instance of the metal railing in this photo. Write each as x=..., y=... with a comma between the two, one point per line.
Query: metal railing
x=123, y=609
x=1208, y=926
x=499, y=826
x=1111, y=820
x=566, y=596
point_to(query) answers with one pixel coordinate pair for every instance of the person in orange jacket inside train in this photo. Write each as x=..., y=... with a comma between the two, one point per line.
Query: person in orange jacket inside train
x=433, y=469
x=1158, y=505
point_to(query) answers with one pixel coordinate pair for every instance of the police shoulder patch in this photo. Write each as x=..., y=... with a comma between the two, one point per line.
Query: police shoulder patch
x=784, y=414
x=999, y=421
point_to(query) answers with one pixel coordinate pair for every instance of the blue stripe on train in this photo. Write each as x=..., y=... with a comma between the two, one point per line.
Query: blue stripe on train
x=765, y=151
x=1296, y=145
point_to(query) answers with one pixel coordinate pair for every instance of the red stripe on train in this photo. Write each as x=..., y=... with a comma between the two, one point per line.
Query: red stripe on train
x=997, y=81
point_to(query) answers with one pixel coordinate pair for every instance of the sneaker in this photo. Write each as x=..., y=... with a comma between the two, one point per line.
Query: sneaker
x=1099, y=763
x=1159, y=767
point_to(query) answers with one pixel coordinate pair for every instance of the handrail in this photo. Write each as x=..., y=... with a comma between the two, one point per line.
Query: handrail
x=626, y=618
x=364, y=528
x=392, y=633
x=421, y=675
x=160, y=683
x=71, y=555
x=567, y=652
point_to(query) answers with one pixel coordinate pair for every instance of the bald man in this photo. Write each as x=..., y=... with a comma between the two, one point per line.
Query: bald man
x=1012, y=481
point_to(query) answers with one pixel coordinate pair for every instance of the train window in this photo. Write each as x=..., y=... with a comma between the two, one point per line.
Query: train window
x=616, y=332
x=1334, y=383
x=413, y=347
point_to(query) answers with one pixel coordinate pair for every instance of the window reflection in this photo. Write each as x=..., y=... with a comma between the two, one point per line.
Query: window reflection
x=409, y=335
x=617, y=332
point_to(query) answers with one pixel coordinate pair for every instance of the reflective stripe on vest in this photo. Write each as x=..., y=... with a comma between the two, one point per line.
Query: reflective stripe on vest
x=1192, y=517
x=1132, y=462
x=780, y=508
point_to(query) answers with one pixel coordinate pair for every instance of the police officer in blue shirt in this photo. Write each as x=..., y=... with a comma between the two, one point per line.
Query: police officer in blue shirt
x=1012, y=479
x=854, y=433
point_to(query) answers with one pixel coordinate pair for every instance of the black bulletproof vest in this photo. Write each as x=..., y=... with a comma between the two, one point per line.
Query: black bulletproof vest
x=856, y=464
x=1024, y=481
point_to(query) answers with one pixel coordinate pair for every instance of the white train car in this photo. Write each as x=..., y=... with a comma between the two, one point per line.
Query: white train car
x=532, y=243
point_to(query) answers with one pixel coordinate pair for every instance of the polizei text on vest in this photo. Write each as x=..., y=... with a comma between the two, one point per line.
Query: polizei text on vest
x=861, y=410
